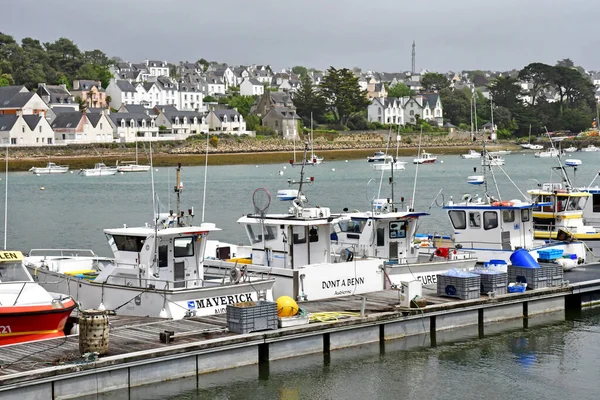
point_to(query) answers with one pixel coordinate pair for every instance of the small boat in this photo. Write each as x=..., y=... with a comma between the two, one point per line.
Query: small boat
x=536, y=147
x=492, y=160
x=389, y=165
x=50, y=168
x=425, y=158
x=132, y=166
x=501, y=152
x=27, y=311
x=571, y=149
x=100, y=169
x=550, y=152
x=379, y=156
x=472, y=154
x=591, y=147
x=476, y=179
x=525, y=146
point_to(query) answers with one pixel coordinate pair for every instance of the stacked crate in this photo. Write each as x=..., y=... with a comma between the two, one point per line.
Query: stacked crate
x=492, y=281
x=464, y=285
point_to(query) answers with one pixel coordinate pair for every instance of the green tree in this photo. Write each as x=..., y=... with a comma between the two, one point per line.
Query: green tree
x=565, y=62
x=62, y=80
x=82, y=104
x=94, y=72
x=252, y=122
x=457, y=106
x=6, y=80
x=209, y=99
x=300, y=70
x=539, y=75
x=433, y=81
x=342, y=94
x=204, y=64
x=242, y=103
x=307, y=100
x=400, y=90
x=506, y=92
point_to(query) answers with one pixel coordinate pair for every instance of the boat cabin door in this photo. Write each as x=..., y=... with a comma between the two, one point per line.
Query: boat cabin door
x=178, y=261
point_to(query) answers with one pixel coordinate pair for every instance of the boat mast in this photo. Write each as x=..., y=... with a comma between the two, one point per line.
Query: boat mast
x=178, y=190
x=412, y=201
x=5, y=197
x=205, y=175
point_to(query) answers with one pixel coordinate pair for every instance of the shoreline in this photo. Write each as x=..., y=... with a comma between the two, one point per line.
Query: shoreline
x=162, y=159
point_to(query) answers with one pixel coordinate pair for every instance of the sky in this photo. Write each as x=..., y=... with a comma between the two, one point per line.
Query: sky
x=370, y=34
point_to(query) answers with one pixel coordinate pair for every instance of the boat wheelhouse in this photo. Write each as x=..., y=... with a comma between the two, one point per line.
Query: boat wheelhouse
x=425, y=158
x=379, y=156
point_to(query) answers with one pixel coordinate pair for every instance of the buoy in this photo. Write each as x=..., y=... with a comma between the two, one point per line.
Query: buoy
x=346, y=160
x=42, y=188
x=156, y=169
x=71, y=171
x=333, y=169
x=280, y=172
x=257, y=166
x=37, y=174
x=121, y=172
x=284, y=167
x=286, y=306
x=441, y=161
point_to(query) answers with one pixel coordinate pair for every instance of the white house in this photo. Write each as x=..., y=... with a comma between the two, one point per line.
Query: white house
x=190, y=97
x=122, y=92
x=251, y=87
x=131, y=127
x=25, y=130
x=150, y=94
x=386, y=110
x=157, y=68
x=240, y=74
x=76, y=127
x=169, y=91
x=229, y=121
x=182, y=124
x=215, y=86
x=263, y=76
x=226, y=75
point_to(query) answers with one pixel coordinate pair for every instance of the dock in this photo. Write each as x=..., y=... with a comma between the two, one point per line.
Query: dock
x=54, y=369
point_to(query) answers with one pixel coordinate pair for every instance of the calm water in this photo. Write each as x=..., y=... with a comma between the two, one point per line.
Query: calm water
x=556, y=360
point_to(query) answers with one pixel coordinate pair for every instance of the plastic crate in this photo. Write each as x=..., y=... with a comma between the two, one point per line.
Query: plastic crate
x=535, y=278
x=464, y=288
x=554, y=273
x=550, y=254
x=516, y=288
x=260, y=317
x=492, y=282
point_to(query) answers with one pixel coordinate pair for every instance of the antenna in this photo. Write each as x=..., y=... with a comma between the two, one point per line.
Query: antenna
x=152, y=180
x=5, y=197
x=412, y=201
x=414, y=55
x=205, y=174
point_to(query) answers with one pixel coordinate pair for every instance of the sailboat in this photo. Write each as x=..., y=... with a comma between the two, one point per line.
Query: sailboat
x=530, y=146
x=314, y=159
x=132, y=166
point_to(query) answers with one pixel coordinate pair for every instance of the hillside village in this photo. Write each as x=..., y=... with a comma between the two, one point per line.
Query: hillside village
x=156, y=100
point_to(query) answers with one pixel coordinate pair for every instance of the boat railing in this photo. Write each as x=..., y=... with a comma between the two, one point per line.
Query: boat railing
x=153, y=284
x=61, y=253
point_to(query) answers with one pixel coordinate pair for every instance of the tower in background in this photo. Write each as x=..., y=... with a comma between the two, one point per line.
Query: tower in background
x=413, y=58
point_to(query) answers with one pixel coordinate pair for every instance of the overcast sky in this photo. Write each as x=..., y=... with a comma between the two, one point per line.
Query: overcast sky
x=371, y=34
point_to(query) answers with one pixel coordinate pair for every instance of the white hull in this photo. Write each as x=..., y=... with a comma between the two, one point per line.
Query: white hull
x=397, y=166
x=46, y=171
x=470, y=156
x=546, y=154
x=133, y=168
x=99, y=172
x=136, y=301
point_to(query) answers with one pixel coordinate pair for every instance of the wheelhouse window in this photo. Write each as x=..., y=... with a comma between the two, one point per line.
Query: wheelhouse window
x=352, y=226
x=490, y=220
x=270, y=233
x=508, y=215
x=525, y=215
x=398, y=229
x=299, y=234
x=13, y=272
x=458, y=219
x=576, y=203
x=163, y=256
x=474, y=220
x=596, y=202
x=380, y=236
x=183, y=247
x=129, y=243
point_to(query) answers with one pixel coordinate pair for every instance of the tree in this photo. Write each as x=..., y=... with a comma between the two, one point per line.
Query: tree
x=108, y=100
x=505, y=92
x=82, y=104
x=242, y=103
x=565, y=62
x=400, y=90
x=308, y=101
x=300, y=70
x=433, y=81
x=62, y=80
x=252, y=122
x=209, y=99
x=342, y=94
x=204, y=64
x=539, y=75
x=6, y=80
x=94, y=72
x=457, y=106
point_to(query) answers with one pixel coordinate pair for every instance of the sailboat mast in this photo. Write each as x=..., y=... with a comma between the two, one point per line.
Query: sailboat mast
x=178, y=189
x=5, y=197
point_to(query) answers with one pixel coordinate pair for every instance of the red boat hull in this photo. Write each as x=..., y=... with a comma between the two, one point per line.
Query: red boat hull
x=425, y=162
x=20, y=324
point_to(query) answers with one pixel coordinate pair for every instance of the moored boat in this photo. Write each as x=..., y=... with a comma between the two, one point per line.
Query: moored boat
x=425, y=158
x=472, y=154
x=590, y=148
x=379, y=156
x=27, y=311
x=550, y=152
x=100, y=169
x=50, y=168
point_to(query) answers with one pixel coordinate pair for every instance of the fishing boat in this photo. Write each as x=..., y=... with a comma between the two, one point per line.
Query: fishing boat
x=472, y=154
x=100, y=169
x=500, y=152
x=132, y=166
x=27, y=311
x=529, y=146
x=379, y=156
x=391, y=163
x=570, y=149
x=157, y=270
x=489, y=159
x=550, y=152
x=50, y=168
x=425, y=158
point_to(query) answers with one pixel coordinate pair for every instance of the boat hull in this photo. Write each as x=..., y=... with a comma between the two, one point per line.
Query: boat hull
x=398, y=166
x=155, y=302
x=20, y=324
x=133, y=168
x=102, y=172
x=428, y=161
x=47, y=171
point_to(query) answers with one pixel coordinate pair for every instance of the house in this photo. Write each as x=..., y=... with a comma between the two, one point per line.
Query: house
x=240, y=74
x=251, y=87
x=91, y=92
x=289, y=85
x=180, y=124
x=386, y=110
x=149, y=94
x=272, y=99
x=215, y=86
x=122, y=92
x=137, y=108
x=283, y=120
x=187, y=68
x=25, y=130
x=168, y=91
x=375, y=88
x=263, y=76
x=76, y=127
x=157, y=68
x=133, y=126
x=427, y=106
x=362, y=83
x=57, y=96
x=17, y=99
x=190, y=97
x=228, y=121
x=226, y=75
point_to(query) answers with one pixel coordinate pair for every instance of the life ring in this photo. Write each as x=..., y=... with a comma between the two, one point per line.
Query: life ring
x=503, y=203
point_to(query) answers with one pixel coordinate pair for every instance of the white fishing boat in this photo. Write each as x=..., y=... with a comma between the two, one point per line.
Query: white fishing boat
x=50, y=168
x=132, y=166
x=425, y=158
x=100, y=169
x=489, y=159
x=472, y=154
x=571, y=149
x=550, y=152
x=500, y=152
x=388, y=165
x=379, y=156
x=157, y=271
x=314, y=159
x=590, y=148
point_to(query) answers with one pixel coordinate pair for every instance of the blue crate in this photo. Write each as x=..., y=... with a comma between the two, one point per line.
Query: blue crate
x=570, y=256
x=550, y=254
x=516, y=288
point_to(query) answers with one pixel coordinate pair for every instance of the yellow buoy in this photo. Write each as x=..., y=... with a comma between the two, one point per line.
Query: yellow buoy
x=286, y=306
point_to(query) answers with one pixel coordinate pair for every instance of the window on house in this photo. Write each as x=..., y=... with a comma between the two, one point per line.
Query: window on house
x=49, y=140
x=132, y=123
x=37, y=140
x=42, y=140
x=185, y=120
x=23, y=128
x=13, y=140
x=412, y=112
x=40, y=128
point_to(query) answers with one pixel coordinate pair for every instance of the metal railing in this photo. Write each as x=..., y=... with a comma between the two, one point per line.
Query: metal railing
x=62, y=253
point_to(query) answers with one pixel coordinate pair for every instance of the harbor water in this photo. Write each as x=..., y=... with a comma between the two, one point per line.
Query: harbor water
x=554, y=358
